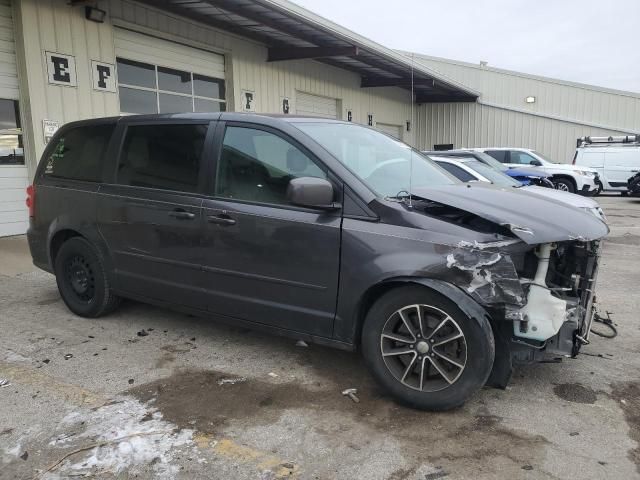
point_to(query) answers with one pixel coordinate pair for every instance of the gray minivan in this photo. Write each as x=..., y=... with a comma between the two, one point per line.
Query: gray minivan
x=321, y=230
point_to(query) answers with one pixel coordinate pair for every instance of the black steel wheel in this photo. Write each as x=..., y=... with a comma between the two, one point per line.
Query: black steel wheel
x=424, y=350
x=82, y=280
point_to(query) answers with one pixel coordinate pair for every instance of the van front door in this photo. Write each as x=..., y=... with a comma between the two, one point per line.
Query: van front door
x=267, y=261
x=150, y=215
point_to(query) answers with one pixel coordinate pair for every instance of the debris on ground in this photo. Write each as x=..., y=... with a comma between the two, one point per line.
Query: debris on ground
x=131, y=380
x=231, y=381
x=25, y=455
x=351, y=393
x=273, y=375
x=301, y=343
x=46, y=360
x=439, y=473
x=68, y=356
x=143, y=333
x=4, y=382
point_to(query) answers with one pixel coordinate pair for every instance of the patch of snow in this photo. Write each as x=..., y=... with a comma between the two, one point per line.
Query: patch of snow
x=135, y=434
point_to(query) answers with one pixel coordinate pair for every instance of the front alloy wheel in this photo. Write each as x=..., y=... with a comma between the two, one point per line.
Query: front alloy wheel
x=424, y=350
x=423, y=347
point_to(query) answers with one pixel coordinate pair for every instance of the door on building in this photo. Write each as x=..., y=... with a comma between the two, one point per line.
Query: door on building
x=316, y=105
x=253, y=269
x=390, y=129
x=14, y=217
x=157, y=76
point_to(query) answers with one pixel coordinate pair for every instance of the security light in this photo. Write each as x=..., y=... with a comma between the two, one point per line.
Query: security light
x=94, y=14
x=530, y=99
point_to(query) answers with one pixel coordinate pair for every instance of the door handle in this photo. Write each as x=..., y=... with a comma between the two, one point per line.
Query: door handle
x=223, y=220
x=182, y=215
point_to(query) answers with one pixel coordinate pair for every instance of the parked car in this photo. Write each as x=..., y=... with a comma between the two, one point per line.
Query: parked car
x=525, y=176
x=633, y=185
x=614, y=158
x=467, y=169
x=565, y=177
x=305, y=227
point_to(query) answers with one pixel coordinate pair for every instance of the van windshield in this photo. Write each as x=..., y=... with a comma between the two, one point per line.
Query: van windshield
x=383, y=163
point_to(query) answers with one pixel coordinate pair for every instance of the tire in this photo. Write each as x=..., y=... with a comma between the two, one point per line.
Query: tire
x=564, y=184
x=82, y=280
x=474, y=351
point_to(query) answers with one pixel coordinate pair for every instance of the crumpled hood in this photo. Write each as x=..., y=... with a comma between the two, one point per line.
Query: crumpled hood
x=532, y=218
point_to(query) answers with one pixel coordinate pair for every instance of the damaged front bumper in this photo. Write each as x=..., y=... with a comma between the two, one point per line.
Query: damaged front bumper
x=547, y=292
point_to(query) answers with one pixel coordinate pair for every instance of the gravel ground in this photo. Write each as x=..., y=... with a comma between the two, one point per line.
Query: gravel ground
x=150, y=393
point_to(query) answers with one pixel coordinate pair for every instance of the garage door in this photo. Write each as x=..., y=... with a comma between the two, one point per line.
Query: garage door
x=158, y=76
x=316, y=106
x=390, y=129
x=14, y=217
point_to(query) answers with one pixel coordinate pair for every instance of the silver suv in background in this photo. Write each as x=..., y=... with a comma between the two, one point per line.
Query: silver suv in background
x=565, y=177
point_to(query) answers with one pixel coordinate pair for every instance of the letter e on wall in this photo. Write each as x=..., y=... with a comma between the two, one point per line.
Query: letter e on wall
x=61, y=69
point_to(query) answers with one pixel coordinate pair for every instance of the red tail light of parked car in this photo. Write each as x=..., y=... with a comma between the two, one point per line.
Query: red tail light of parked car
x=31, y=200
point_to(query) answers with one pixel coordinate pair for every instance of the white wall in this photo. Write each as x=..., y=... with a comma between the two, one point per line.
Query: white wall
x=55, y=26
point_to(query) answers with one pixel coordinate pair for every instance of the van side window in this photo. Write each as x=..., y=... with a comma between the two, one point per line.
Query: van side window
x=162, y=156
x=79, y=153
x=257, y=166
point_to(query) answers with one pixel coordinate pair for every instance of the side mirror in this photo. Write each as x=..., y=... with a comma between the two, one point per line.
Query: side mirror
x=535, y=163
x=311, y=192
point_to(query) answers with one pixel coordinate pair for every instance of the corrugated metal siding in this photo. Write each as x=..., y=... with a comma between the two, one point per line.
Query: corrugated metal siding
x=8, y=69
x=476, y=125
x=578, y=103
x=14, y=217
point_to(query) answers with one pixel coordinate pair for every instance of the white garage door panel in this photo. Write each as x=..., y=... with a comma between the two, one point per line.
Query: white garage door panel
x=316, y=106
x=147, y=49
x=8, y=71
x=14, y=215
x=389, y=129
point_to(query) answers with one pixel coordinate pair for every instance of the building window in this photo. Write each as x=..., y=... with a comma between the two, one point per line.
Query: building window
x=11, y=151
x=146, y=88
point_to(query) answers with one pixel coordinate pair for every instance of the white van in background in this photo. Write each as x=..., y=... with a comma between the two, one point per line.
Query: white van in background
x=616, y=159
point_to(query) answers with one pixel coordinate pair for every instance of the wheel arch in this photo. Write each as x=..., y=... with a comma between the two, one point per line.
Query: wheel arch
x=564, y=176
x=60, y=231
x=469, y=306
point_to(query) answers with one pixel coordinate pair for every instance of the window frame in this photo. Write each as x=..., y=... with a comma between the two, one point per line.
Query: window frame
x=218, y=141
x=121, y=135
x=157, y=90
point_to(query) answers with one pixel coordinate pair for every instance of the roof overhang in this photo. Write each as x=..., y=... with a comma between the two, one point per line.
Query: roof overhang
x=291, y=32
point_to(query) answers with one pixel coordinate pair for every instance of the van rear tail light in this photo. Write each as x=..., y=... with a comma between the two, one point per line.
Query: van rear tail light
x=31, y=200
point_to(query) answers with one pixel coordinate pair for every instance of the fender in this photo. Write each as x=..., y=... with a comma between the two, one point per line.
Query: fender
x=86, y=230
x=467, y=304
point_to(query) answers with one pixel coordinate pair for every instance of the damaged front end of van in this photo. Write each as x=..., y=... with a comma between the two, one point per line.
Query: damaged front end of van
x=536, y=280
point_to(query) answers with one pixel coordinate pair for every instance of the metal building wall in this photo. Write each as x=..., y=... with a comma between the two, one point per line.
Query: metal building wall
x=562, y=112
x=476, y=125
x=56, y=26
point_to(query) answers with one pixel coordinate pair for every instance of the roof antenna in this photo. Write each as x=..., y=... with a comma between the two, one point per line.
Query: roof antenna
x=411, y=148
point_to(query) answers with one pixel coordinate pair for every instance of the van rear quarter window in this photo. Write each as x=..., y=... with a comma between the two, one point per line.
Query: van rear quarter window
x=162, y=156
x=79, y=153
